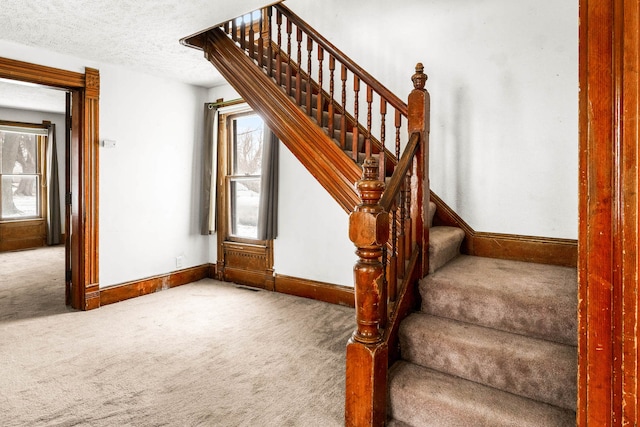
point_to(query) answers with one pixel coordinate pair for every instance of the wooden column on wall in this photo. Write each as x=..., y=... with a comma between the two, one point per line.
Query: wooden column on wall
x=608, y=233
x=85, y=89
x=89, y=187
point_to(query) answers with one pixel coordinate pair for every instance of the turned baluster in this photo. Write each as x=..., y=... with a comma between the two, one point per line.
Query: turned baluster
x=356, y=126
x=332, y=68
x=269, y=44
x=298, y=73
x=343, y=117
x=279, y=52
x=367, y=145
x=408, y=235
x=252, y=38
x=226, y=28
x=260, y=52
x=319, y=104
x=369, y=231
x=288, y=77
x=243, y=33
x=309, y=65
x=392, y=270
x=383, y=130
x=234, y=30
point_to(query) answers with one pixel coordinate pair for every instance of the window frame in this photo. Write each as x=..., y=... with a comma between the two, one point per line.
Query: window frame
x=229, y=175
x=39, y=174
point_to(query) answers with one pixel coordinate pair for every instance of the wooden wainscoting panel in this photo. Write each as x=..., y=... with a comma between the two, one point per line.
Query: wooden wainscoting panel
x=248, y=264
x=19, y=235
x=334, y=294
x=149, y=285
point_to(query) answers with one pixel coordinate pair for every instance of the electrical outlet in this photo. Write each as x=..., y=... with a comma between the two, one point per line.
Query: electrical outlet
x=179, y=261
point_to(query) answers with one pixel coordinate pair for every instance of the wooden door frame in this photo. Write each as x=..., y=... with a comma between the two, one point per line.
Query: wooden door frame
x=608, y=210
x=85, y=90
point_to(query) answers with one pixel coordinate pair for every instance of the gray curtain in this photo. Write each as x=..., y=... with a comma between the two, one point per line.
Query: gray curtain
x=54, y=225
x=268, y=217
x=209, y=170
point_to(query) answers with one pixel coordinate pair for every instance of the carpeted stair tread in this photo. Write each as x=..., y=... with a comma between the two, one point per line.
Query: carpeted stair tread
x=444, y=245
x=396, y=423
x=530, y=367
x=423, y=397
x=525, y=298
x=432, y=212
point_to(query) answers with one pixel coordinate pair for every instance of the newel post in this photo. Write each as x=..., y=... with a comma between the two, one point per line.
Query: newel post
x=419, y=110
x=367, y=354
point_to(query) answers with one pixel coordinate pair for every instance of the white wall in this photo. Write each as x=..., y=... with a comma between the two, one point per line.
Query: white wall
x=313, y=233
x=504, y=90
x=149, y=184
x=26, y=116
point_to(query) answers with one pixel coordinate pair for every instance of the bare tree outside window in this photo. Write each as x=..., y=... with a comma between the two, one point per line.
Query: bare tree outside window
x=19, y=175
x=246, y=159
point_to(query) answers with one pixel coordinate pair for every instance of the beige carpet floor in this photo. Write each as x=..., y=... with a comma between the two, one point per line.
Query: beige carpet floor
x=203, y=354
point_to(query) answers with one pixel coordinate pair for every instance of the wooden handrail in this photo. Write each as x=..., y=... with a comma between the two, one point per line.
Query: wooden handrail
x=400, y=172
x=345, y=60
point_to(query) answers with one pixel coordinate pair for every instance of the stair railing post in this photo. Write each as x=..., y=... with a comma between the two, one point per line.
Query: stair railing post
x=418, y=108
x=367, y=354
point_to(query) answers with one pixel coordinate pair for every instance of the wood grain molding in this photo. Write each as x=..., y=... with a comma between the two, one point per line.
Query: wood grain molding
x=18, y=235
x=40, y=74
x=334, y=294
x=542, y=250
x=307, y=142
x=136, y=288
x=83, y=181
x=305, y=288
x=609, y=124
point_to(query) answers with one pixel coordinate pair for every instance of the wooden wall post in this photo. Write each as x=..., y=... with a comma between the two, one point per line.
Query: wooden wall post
x=608, y=239
x=418, y=109
x=367, y=356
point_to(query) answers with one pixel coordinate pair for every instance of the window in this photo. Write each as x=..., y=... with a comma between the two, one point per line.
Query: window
x=21, y=154
x=245, y=166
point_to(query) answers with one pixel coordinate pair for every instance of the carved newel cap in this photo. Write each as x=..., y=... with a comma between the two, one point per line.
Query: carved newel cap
x=369, y=223
x=419, y=79
x=369, y=187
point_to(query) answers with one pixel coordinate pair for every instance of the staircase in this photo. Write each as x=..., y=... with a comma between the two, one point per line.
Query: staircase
x=494, y=344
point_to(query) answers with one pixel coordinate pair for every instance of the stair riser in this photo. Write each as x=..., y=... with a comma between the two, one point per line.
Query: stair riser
x=544, y=305
x=533, y=368
x=421, y=397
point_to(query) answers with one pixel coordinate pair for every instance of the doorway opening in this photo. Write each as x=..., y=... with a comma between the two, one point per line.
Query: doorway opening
x=81, y=182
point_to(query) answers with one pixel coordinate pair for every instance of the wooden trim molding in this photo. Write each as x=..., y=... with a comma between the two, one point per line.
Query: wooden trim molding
x=306, y=141
x=542, y=250
x=40, y=74
x=305, y=288
x=85, y=89
x=608, y=318
x=18, y=235
x=136, y=288
x=334, y=294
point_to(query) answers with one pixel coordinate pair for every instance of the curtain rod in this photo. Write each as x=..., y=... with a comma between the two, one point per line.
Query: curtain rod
x=210, y=105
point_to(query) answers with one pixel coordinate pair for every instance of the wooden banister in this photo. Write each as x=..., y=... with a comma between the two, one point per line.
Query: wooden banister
x=385, y=264
x=400, y=172
x=328, y=47
x=315, y=116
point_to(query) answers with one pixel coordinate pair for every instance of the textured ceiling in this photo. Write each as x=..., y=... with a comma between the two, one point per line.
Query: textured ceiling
x=142, y=35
